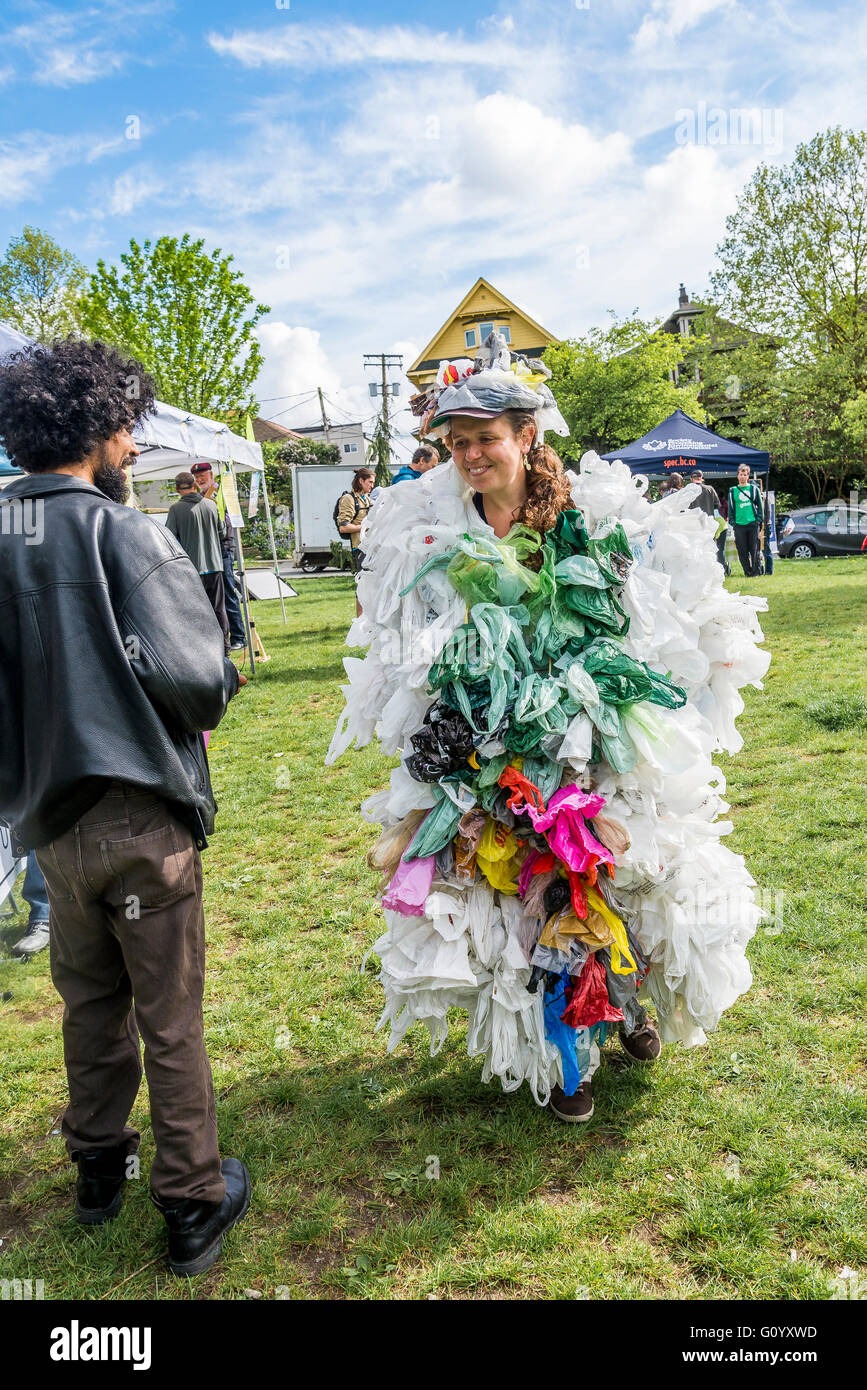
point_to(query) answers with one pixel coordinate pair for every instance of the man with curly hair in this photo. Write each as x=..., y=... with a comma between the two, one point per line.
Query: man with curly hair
x=111, y=666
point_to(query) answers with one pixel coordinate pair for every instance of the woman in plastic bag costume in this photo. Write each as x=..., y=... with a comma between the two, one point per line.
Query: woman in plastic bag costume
x=557, y=662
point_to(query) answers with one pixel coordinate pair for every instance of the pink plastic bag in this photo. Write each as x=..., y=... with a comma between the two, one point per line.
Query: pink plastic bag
x=410, y=887
x=569, y=836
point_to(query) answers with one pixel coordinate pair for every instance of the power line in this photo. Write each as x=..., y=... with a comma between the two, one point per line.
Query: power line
x=291, y=397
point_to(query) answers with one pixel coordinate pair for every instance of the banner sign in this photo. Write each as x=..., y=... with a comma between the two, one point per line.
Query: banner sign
x=230, y=497
x=10, y=865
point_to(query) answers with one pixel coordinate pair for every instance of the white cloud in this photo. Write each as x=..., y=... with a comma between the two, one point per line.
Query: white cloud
x=133, y=188
x=295, y=362
x=30, y=161
x=669, y=19
x=62, y=55
x=311, y=47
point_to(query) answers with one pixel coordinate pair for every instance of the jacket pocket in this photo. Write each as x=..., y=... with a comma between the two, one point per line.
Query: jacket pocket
x=153, y=868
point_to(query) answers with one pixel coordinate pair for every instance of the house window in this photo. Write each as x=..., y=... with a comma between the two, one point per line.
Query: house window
x=469, y=337
x=484, y=330
x=350, y=448
x=506, y=332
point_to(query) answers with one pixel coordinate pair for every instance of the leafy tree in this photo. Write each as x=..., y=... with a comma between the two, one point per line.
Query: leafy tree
x=754, y=390
x=187, y=315
x=39, y=286
x=616, y=383
x=794, y=265
x=281, y=456
x=794, y=260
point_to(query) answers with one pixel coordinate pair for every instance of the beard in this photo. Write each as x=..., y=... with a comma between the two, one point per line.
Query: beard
x=111, y=480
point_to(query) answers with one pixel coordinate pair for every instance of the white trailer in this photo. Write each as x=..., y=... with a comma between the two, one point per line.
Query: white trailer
x=315, y=490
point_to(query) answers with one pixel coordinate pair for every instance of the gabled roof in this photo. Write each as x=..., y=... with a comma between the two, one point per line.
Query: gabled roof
x=462, y=308
x=268, y=430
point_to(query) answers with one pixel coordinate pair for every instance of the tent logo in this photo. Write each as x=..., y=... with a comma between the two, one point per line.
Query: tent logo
x=675, y=445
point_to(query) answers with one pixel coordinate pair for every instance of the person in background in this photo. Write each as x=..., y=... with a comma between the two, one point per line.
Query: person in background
x=209, y=487
x=424, y=458
x=35, y=894
x=350, y=513
x=709, y=503
x=664, y=489
x=195, y=522
x=675, y=482
x=745, y=512
x=352, y=509
x=111, y=665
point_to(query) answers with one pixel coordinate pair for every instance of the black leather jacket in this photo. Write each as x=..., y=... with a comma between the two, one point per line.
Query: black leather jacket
x=111, y=660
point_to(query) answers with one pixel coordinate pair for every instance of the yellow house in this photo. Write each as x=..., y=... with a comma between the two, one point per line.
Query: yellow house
x=466, y=329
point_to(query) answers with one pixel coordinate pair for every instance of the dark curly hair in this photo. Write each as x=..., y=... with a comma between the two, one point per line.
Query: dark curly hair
x=58, y=401
x=548, y=492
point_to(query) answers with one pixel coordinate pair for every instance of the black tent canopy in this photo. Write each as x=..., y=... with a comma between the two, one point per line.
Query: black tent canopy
x=680, y=444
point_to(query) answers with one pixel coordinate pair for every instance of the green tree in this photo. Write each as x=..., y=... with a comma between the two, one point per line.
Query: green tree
x=379, y=454
x=187, y=315
x=616, y=383
x=756, y=391
x=794, y=259
x=39, y=286
x=793, y=265
x=281, y=456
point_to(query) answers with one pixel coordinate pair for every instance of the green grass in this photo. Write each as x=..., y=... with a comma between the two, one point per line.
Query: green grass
x=731, y=1171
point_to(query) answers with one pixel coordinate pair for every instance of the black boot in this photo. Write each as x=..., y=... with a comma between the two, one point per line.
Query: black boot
x=196, y=1229
x=99, y=1189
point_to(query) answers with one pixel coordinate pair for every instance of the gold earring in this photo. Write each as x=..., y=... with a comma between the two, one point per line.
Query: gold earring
x=526, y=462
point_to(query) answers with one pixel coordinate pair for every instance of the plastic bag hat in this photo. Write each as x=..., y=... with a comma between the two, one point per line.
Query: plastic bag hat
x=551, y=846
x=498, y=380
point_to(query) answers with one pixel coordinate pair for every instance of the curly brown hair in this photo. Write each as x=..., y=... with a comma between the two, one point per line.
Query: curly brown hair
x=548, y=492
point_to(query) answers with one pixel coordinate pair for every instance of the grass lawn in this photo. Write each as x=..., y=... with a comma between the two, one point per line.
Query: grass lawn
x=731, y=1171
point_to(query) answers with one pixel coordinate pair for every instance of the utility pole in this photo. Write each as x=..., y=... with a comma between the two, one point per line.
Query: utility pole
x=386, y=362
x=325, y=424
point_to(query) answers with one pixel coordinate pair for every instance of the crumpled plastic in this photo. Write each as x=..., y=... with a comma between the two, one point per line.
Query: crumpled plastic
x=437, y=828
x=565, y=824
x=588, y=1000
x=387, y=851
x=410, y=886
x=621, y=680
x=443, y=744
x=562, y=1035
x=561, y=928
x=499, y=856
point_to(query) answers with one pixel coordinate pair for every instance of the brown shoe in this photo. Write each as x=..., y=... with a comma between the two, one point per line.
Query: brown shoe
x=573, y=1109
x=643, y=1045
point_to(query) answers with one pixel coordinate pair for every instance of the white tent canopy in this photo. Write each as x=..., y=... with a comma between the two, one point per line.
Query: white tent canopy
x=170, y=440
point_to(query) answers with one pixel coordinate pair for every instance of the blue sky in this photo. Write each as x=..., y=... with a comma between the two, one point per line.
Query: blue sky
x=364, y=163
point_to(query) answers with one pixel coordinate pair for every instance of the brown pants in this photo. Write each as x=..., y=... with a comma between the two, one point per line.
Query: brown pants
x=128, y=958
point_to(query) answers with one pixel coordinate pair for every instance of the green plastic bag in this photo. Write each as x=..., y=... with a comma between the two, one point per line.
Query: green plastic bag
x=568, y=536
x=621, y=680
x=437, y=828
x=610, y=549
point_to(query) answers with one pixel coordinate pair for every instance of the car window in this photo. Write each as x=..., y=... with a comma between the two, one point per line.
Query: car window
x=817, y=518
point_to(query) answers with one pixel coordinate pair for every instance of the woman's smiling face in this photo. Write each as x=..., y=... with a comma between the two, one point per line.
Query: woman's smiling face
x=486, y=452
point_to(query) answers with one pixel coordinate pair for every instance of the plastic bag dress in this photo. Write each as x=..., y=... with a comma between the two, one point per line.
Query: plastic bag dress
x=557, y=724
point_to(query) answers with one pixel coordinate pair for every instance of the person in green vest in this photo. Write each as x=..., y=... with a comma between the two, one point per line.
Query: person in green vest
x=745, y=514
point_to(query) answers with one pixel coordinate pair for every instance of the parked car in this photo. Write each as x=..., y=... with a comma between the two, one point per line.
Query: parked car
x=831, y=529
